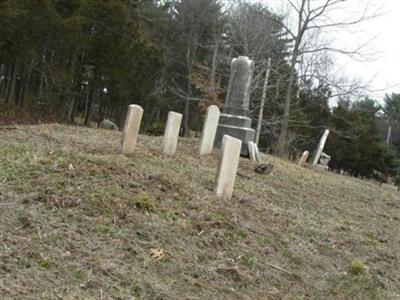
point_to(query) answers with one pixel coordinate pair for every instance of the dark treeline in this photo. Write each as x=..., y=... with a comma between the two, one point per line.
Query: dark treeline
x=87, y=60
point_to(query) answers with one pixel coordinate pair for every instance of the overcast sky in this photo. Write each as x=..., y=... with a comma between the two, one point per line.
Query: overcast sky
x=383, y=34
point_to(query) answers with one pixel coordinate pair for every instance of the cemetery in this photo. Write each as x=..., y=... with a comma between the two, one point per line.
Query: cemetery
x=199, y=149
x=93, y=213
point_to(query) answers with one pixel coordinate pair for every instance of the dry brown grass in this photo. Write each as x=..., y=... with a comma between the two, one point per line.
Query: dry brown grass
x=80, y=221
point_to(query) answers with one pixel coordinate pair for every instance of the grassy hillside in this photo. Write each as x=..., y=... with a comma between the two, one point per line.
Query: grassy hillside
x=80, y=221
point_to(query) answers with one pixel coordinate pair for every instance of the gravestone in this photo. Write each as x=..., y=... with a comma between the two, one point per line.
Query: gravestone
x=131, y=129
x=324, y=159
x=321, y=146
x=252, y=150
x=234, y=120
x=227, y=167
x=303, y=158
x=171, y=133
x=258, y=156
x=254, y=153
x=209, y=130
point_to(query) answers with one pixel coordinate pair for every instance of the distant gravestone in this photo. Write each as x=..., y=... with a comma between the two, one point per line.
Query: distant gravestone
x=107, y=124
x=209, y=130
x=171, y=133
x=252, y=150
x=258, y=156
x=234, y=120
x=228, y=165
x=303, y=158
x=321, y=146
x=131, y=129
x=324, y=159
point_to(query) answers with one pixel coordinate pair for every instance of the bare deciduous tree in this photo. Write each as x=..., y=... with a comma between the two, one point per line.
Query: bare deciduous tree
x=313, y=17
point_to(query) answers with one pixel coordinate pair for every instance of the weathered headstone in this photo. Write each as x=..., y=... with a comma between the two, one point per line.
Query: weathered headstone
x=258, y=156
x=254, y=153
x=321, y=146
x=323, y=162
x=172, y=132
x=324, y=159
x=131, y=129
x=234, y=120
x=252, y=150
x=209, y=130
x=227, y=167
x=303, y=158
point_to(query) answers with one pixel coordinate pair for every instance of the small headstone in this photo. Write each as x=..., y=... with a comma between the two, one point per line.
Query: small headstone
x=131, y=129
x=303, y=158
x=227, y=167
x=209, y=130
x=321, y=146
x=171, y=133
x=107, y=124
x=252, y=150
x=323, y=162
x=258, y=156
x=324, y=159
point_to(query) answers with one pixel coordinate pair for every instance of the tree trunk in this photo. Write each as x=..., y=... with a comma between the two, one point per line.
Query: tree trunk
x=88, y=100
x=264, y=95
x=282, y=140
x=2, y=79
x=92, y=98
x=102, y=108
x=186, y=117
x=41, y=80
x=11, y=90
x=72, y=113
x=25, y=85
x=3, y=83
x=214, y=65
x=6, y=82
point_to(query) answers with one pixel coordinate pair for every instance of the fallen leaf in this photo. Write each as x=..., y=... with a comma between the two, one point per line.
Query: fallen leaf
x=156, y=254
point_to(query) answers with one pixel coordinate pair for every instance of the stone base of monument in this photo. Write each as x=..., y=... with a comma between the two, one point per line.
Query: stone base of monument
x=238, y=127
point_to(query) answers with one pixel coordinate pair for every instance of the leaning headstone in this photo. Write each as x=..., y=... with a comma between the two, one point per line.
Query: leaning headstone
x=303, y=158
x=209, y=130
x=228, y=165
x=234, y=120
x=131, y=129
x=171, y=133
x=107, y=124
x=321, y=146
